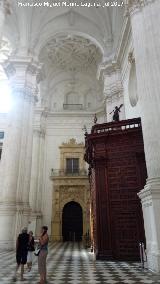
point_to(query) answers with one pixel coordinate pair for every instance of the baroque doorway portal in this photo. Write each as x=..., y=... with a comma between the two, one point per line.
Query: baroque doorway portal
x=72, y=222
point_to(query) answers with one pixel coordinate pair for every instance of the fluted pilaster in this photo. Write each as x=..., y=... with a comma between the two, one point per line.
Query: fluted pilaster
x=113, y=89
x=36, y=184
x=17, y=150
x=145, y=24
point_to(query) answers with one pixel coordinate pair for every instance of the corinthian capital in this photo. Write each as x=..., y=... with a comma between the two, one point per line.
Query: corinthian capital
x=22, y=73
x=134, y=2
x=133, y=6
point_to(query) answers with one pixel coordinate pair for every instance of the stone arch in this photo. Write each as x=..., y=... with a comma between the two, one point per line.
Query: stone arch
x=85, y=35
x=72, y=221
x=67, y=200
x=76, y=200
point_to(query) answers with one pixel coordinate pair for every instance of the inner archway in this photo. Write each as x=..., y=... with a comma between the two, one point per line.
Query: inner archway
x=72, y=222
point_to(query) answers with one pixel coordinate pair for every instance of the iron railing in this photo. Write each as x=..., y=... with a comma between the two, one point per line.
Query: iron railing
x=116, y=126
x=58, y=172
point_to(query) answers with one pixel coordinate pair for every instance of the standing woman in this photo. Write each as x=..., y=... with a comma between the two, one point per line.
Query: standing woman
x=30, y=251
x=43, y=241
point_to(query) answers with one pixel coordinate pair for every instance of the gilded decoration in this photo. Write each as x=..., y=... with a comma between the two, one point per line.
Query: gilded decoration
x=72, y=142
x=67, y=188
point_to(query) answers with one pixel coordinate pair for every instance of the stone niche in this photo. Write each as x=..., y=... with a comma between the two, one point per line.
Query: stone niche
x=70, y=187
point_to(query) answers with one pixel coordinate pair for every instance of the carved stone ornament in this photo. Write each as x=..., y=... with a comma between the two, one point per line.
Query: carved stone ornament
x=108, y=68
x=133, y=6
x=22, y=73
x=5, y=49
x=5, y=6
x=72, y=142
x=71, y=53
x=131, y=58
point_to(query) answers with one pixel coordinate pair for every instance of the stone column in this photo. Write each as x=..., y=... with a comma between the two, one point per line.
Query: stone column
x=145, y=22
x=16, y=157
x=37, y=179
x=113, y=89
x=4, y=10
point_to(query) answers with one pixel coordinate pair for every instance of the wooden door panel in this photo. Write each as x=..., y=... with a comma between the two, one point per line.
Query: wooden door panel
x=116, y=153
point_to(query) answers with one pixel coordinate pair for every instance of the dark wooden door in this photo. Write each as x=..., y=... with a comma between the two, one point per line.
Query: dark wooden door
x=72, y=222
x=116, y=153
x=126, y=176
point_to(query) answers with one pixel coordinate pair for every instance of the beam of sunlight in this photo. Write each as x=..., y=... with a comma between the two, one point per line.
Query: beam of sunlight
x=5, y=97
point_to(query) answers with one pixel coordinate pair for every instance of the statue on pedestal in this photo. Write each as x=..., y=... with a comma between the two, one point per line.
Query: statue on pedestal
x=116, y=112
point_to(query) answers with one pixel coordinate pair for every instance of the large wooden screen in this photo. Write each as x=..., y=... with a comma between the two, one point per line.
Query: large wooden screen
x=115, y=154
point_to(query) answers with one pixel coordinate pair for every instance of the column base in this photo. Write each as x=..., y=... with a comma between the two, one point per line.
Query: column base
x=13, y=217
x=35, y=222
x=7, y=225
x=153, y=260
x=150, y=199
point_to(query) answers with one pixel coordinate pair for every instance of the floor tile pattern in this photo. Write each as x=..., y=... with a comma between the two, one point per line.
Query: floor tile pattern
x=71, y=263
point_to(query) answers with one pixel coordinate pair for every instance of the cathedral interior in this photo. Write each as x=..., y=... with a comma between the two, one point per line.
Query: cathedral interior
x=79, y=135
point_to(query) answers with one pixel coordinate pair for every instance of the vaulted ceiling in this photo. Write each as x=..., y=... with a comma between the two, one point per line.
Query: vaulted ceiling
x=31, y=27
x=69, y=40
x=71, y=53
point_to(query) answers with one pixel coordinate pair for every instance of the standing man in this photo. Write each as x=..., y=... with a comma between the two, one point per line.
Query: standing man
x=21, y=252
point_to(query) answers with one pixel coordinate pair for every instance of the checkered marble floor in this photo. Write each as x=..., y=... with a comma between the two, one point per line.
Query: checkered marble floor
x=71, y=263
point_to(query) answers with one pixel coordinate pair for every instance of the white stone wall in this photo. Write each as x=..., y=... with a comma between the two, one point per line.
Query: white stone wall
x=60, y=128
x=130, y=111
x=3, y=120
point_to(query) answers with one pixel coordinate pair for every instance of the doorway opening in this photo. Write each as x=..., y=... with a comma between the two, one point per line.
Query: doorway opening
x=72, y=222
